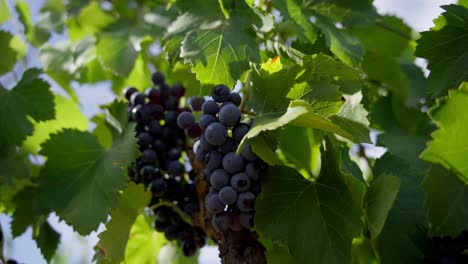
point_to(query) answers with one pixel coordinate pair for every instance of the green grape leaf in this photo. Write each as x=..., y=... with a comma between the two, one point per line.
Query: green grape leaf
x=263, y=148
x=36, y=35
x=379, y=200
x=139, y=76
x=276, y=253
x=327, y=210
x=449, y=146
x=13, y=165
x=113, y=241
x=403, y=237
x=221, y=54
x=446, y=199
x=446, y=50
x=85, y=176
x=303, y=155
x=47, y=240
x=144, y=243
x=91, y=19
x=4, y=11
x=68, y=115
x=463, y=3
x=28, y=211
x=13, y=50
x=31, y=97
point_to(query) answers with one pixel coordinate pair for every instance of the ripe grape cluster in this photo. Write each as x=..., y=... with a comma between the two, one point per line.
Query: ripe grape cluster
x=161, y=143
x=234, y=179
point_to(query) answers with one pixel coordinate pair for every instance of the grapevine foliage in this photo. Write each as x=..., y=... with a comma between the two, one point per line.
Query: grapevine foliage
x=259, y=145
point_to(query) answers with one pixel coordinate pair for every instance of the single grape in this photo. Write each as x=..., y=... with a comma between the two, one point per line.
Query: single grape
x=213, y=160
x=207, y=175
x=158, y=187
x=154, y=95
x=196, y=103
x=129, y=91
x=216, y=134
x=227, y=195
x=174, y=153
x=233, y=163
x=247, y=152
x=172, y=232
x=155, y=128
x=149, y=156
x=170, y=134
x=185, y=232
x=222, y=221
x=252, y=170
x=205, y=145
x=178, y=90
x=144, y=140
x=205, y=120
x=159, y=146
x=139, y=115
x=220, y=93
x=246, y=220
x=176, y=168
x=240, y=131
x=228, y=146
x=163, y=213
x=240, y=182
x=189, y=248
x=148, y=171
x=219, y=178
x=200, y=155
x=235, y=98
x=245, y=201
x=157, y=78
x=210, y=107
x=213, y=204
x=170, y=118
x=185, y=120
x=229, y=115
x=161, y=226
x=155, y=111
x=194, y=131
x=138, y=99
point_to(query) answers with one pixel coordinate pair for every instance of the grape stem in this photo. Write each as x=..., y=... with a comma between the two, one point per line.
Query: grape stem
x=185, y=217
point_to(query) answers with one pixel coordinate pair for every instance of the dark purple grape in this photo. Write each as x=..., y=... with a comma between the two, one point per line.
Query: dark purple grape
x=191, y=208
x=170, y=118
x=172, y=232
x=207, y=175
x=161, y=226
x=154, y=95
x=185, y=120
x=216, y=134
x=240, y=131
x=154, y=111
x=157, y=78
x=194, y=131
x=159, y=146
x=247, y=152
x=185, y=232
x=205, y=120
x=219, y=178
x=148, y=171
x=246, y=220
x=213, y=160
x=252, y=170
x=174, y=153
x=221, y=93
x=227, y=195
x=229, y=115
x=210, y=107
x=138, y=99
x=213, y=204
x=200, y=155
x=240, y=182
x=155, y=128
x=245, y=201
x=171, y=103
x=149, y=156
x=178, y=90
x=228, y=146
x=196, y=103
x=189, y=248
x=129, y=91
x=222, y=221
x=139, y=115
x=205, y=145
x=235, y=98
x=233, y=163
x=158, y=187
x=176, y=168
x=144, y=139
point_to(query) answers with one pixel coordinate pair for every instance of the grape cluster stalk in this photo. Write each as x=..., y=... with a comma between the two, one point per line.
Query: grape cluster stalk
x=161, y=166
x=234, y=179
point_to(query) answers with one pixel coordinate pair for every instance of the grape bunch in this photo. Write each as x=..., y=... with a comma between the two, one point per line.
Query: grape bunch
x=233, y=179
x=161, y=143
